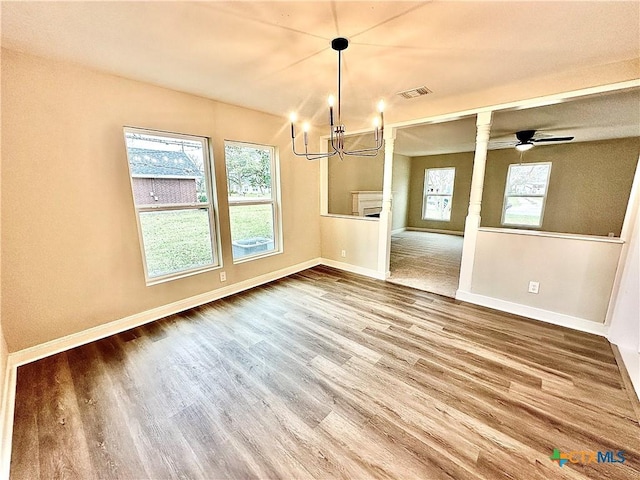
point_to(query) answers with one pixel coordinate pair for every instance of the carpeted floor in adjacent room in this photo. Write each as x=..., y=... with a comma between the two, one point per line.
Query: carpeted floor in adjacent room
x=426, y=261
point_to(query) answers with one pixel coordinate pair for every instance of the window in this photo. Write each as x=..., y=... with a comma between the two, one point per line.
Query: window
x=254, y=212
x=438, y=193
x=525, y=194
x=172, y=192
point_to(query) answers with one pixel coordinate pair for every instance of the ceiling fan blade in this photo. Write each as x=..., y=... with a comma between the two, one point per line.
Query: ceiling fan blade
x=554, y=139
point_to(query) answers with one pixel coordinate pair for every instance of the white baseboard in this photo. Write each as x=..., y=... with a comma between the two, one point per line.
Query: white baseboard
x=96, y=333
x=68, y=342
x=435, y=230
x=58, y=345
x=631, y=361
x=548, y=316
x=101, y=331
x=347, y=267
x=398, y=230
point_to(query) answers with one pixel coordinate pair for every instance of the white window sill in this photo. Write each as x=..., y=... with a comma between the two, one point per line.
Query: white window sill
x=351, y=217
x=249, y=258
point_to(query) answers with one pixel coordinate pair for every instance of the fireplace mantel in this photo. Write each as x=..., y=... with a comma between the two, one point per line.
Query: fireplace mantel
x=366, y=202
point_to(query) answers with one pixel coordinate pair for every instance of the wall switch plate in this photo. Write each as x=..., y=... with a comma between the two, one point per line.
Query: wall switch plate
x=343, y=253
x=534, y=287
x=223, y=276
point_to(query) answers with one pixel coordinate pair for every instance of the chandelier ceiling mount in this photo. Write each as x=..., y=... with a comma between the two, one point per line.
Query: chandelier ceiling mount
x=337, y=128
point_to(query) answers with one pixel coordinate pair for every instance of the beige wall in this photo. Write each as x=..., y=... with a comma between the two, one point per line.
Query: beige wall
x=5, y=408
x=70, y=252
x=576, y=276
x=4, y=354
x=4, y=350
x=357, y=236
x=400, y=191
x=588, y=189
x=353, y=173
x=463, y=163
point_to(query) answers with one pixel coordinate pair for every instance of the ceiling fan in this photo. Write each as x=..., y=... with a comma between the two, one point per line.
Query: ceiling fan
x=526, y=140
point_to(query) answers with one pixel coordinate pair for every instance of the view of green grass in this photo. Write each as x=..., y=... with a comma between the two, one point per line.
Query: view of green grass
x=249, y=221
x=523, y=211
x=176, y=240
x=179, y=240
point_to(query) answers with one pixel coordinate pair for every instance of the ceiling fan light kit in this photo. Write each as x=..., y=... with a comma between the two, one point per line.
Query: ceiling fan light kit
x=526, y=140
x=524, y=146
x=337, y=128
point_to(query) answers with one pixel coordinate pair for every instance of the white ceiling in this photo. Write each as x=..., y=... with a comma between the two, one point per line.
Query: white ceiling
x=276, y=56
x=590, y=118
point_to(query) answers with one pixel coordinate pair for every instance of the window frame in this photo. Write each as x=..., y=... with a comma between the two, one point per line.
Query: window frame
x=507, y=196
x=274, y=201
x=426, y=195
x=211, y=205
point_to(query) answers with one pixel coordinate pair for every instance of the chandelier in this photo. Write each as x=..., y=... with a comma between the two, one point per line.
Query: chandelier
x=337, y=128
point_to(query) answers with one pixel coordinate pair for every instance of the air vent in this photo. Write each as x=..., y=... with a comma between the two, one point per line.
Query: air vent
x=415, y=92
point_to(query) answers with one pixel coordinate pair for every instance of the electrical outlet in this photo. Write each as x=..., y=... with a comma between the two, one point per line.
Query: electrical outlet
x=534, y=287
x=223, y=276
x=343, y=253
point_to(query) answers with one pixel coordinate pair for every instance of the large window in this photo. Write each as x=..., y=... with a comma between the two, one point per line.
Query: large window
x=438, y=193
x=525, y=194
x=254, y=212
x=172, y=192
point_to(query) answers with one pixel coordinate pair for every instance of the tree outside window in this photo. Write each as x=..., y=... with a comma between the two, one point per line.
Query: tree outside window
x=254, y=210
x=525, y=194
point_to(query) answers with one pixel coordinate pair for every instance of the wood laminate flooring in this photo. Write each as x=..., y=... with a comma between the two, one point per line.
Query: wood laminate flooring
x=426, y=261
x=323, y=375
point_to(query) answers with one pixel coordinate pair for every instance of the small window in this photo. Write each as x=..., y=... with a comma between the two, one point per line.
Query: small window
x=525, y=194
x=254, y=210
x=172, y=192
x=438, y=193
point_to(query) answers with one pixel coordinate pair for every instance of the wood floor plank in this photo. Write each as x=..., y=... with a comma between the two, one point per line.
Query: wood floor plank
x=110, y=445
x=63, y=449
x=25, y=459
x=323, y=375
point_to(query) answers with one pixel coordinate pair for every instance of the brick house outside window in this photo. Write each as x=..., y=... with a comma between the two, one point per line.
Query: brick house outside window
x=163, y=177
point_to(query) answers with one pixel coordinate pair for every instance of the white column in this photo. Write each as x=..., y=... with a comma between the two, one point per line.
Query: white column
x=472, y=223
x=384, y=233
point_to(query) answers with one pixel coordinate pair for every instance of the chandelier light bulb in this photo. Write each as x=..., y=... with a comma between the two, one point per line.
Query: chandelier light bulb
x=376, y=129
x=337, y=130
x=293, y=117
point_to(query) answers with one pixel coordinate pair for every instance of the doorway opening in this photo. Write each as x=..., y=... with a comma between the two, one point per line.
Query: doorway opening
x=427, y=261
x=431, y=184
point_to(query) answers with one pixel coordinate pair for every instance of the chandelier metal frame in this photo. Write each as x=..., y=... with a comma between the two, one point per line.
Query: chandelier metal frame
x=337, y=128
